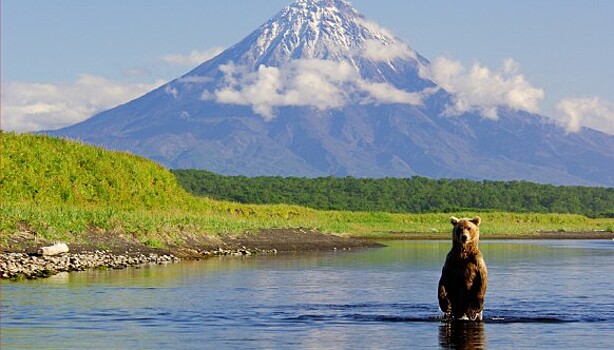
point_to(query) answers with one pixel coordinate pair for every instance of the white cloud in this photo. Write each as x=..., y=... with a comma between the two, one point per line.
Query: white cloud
x=375, y=28
x=194, y=79
x=40, y=106
x=171, y=91
x=378, y=50
x=591, y=112
x=383, y=93
x=384, y=47
x=510, y=66
x=483, y=90
x=320, y=84
x=194, y=58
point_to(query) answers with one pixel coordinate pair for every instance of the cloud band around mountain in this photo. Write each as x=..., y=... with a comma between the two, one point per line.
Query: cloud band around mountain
x=321, y=84
x=316, y=83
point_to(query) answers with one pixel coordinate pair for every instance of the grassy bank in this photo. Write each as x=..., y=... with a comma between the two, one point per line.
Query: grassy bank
x=62, y=190
x=173, y=226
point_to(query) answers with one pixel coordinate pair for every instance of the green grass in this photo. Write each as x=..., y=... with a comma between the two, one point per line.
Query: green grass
x=62, y=189
x=43, y=170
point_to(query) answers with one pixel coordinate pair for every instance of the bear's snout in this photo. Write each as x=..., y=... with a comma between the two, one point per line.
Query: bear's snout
x=464, y=237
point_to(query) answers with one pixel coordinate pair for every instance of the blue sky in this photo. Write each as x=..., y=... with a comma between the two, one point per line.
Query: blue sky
x=64, y=60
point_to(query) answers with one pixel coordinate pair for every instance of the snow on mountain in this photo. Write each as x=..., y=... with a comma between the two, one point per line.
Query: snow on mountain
x=321, y=90
x=321, y=54
x=324, y=29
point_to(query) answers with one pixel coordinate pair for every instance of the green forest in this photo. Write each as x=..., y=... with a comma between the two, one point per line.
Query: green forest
x=412, y=195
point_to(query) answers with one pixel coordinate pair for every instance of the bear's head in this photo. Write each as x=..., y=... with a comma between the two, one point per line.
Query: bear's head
x=466, y=232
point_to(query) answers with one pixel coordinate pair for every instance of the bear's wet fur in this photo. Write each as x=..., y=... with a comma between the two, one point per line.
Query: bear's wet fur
x=464, y=276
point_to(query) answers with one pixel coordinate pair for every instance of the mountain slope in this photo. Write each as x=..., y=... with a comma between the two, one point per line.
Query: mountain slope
x=321, y=90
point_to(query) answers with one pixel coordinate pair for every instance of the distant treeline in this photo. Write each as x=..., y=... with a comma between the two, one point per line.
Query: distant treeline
x=413, y=195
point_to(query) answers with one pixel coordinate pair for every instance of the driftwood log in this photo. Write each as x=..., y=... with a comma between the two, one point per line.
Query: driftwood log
x=56, y=249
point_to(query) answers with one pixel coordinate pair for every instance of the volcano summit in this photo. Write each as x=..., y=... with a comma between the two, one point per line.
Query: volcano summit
x=320, y=90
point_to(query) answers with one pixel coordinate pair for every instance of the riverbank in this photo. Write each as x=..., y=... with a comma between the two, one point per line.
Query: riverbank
x=21, y=259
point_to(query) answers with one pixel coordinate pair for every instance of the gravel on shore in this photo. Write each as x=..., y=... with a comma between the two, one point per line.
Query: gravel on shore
x=31, y=266
x=18, y=266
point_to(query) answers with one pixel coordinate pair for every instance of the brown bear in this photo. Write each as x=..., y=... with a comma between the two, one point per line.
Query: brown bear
x=464, y=276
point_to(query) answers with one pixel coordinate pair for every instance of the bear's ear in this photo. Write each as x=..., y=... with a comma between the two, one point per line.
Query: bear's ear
x=454, y=220
x=476, y=220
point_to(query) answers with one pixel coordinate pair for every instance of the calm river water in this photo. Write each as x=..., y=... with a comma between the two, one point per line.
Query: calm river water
x=541, y=295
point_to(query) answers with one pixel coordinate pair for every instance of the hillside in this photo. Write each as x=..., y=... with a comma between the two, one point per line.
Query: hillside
x=66, y=190
x=63, y=190
x=47, y=170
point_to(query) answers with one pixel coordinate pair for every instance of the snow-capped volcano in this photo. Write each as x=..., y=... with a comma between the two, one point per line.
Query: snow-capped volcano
x=321, y=90
x=321, y=54
x=321, y=29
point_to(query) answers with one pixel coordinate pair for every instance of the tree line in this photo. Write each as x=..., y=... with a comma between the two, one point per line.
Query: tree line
x=396, y=195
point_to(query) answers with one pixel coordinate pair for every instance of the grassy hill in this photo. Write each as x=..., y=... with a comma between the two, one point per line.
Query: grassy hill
x=45, y=170
x=65, y=190
x=61, y=189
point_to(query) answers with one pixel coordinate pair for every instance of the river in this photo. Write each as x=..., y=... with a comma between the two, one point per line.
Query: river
x=541, y=295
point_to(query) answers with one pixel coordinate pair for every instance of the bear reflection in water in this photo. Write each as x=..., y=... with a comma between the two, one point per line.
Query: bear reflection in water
x=462, y=335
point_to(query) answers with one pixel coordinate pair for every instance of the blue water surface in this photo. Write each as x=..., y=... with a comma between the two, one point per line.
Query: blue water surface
x=541, y=295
